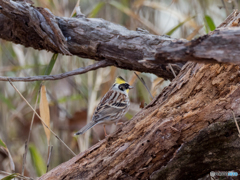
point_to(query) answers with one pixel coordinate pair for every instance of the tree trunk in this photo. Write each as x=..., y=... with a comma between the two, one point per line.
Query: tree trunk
x=199, y=96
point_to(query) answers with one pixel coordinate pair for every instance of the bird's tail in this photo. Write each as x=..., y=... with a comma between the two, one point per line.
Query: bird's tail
x=85, y=128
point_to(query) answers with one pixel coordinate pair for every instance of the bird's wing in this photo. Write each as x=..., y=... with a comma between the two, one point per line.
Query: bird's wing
x=111, y=106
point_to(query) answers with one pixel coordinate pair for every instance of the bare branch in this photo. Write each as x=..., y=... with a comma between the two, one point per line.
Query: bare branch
x=78, y=71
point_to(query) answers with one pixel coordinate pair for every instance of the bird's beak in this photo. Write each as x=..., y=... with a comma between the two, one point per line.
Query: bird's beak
x=130, y=87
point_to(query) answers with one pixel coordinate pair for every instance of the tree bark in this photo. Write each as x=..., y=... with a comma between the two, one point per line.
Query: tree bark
x=98, y=39
x=90, y=38
x=168, y=129
x=215, y=148
x=200, y=95
x=218, y=46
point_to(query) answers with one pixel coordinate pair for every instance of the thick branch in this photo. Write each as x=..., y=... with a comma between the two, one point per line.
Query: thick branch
x=85, y=37
x=99, y=39
x=222, y=46
x=78, y=71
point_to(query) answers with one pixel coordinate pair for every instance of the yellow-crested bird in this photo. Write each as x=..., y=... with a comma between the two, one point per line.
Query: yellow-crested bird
x=112, y=107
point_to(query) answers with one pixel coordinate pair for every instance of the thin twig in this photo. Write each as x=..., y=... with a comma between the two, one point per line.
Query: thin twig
x=24, y=157
x=41, y=119
x=82, y=70
x=236, y=124
x=17, y=175
x=50, y=148
x=141, y=79
x=172, y=69
x=29, y=133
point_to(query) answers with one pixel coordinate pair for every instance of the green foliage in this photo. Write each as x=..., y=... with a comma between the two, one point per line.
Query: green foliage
x=178, y=26
x=74, y=14
x=118, y=5
x=9, y=177
x=128, y=116
x=209, y=23
x=121, y=7
x=4, y=147
x=2, y=144
x=96, y=9
x=37, y=160
x=142, y=92
x=51, y=64
x=6, y=101
x=48, y=69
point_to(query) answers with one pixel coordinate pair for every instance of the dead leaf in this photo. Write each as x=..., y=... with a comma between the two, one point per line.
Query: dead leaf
x=44, y=112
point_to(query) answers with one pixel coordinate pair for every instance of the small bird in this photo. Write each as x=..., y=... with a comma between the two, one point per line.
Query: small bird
x=112, y=107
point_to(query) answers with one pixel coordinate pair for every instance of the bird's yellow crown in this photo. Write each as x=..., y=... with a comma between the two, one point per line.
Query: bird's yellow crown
x=120, y=80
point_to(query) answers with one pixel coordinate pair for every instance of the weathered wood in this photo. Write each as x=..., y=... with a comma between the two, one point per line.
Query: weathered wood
x=91, y=38
x=199, y=96
x=222, y=46
x=99, y=39
x=215, y=148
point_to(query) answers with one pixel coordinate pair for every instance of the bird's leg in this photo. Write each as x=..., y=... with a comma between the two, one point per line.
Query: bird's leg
x=105, y=130
x=119, y=123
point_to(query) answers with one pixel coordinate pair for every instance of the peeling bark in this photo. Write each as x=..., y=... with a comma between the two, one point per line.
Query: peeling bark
x=200, y=95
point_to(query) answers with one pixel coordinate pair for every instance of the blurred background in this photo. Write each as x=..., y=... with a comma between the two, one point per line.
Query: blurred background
x=72, y=100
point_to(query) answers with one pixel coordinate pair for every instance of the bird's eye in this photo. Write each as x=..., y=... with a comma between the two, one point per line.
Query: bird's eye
x=120, y=87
